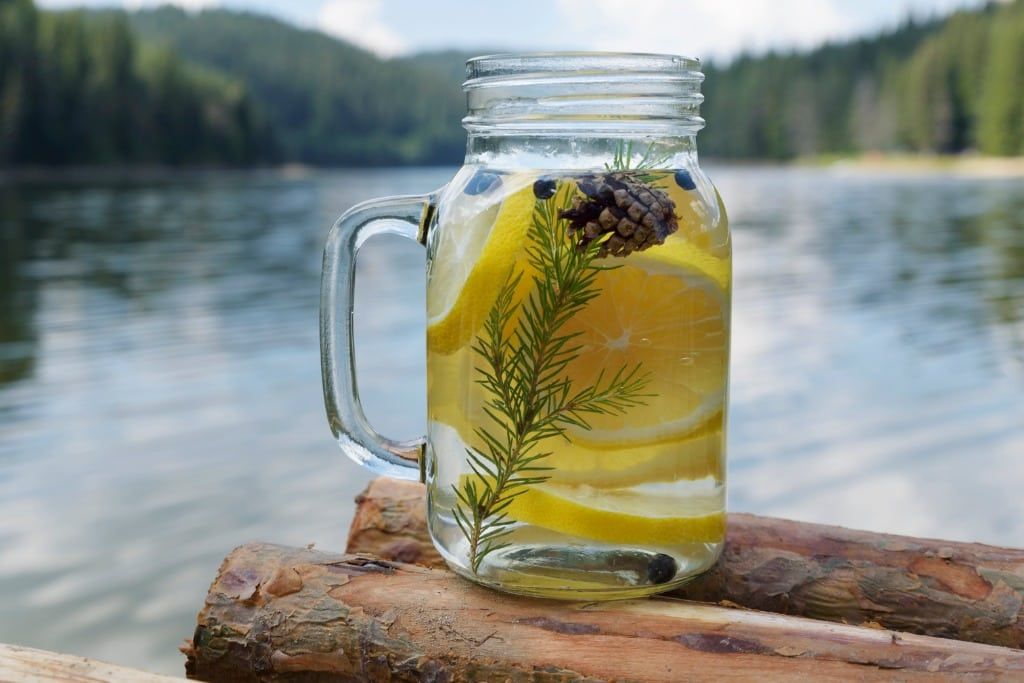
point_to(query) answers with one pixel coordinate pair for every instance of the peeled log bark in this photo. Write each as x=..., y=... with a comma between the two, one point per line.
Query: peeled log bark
x=965, y=591
x=27, y=665
x=288, y=614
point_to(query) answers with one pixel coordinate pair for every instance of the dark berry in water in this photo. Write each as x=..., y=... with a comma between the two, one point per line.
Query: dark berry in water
x=685, y=180
x=661, y=568
x=545, y=188
x=482, y=182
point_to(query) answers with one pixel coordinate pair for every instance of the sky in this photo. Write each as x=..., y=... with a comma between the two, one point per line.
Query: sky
x=708, y=29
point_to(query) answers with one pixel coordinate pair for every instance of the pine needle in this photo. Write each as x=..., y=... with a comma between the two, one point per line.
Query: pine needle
x=651, y=160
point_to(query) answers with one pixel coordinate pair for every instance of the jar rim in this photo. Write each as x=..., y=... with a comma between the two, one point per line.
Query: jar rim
x=578, y=93
x=496, y=68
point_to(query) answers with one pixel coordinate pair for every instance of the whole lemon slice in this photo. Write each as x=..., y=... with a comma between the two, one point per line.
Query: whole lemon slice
x=618, y=516
x=666, y=310
x=696, y=455
x=476, y=248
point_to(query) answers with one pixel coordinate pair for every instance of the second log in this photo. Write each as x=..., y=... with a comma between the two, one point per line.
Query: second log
x=966, y=591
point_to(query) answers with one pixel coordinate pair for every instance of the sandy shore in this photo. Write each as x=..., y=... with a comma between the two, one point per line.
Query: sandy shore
x=966, y=165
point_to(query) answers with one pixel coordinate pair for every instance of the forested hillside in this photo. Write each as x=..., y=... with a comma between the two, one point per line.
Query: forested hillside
x=943, y=86
x=329, y=101
x=225, y=87
x=78, y=89
x=946, y=86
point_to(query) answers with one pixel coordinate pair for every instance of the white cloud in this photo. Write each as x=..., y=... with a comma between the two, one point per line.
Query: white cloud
x=707, y=28
x=359, y=22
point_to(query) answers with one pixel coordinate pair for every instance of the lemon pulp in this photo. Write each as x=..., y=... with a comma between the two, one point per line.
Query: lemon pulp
x=665, y=311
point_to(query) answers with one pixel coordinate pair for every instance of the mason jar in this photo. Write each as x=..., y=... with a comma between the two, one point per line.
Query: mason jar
x=578, y=303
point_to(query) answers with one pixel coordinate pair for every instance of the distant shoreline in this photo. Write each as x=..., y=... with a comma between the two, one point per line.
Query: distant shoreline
x=971, y=165
x=975, y=166
x=150, y=172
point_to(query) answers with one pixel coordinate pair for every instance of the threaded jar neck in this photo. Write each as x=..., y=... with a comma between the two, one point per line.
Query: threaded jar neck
x=591, y=93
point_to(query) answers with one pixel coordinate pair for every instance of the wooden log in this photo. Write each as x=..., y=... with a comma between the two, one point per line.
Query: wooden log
x=28, y=665
x=966, y=591
x=289, y=614
x=391, y=522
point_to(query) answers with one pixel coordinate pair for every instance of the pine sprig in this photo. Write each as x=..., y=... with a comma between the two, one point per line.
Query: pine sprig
x=651, y=160
x=522, y=368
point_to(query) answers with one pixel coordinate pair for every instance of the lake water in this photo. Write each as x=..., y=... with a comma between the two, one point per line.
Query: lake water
x=160, y=390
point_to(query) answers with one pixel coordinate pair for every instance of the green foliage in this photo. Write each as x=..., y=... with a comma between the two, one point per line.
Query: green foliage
x=450, y=65
x=832, y=99
x=944, y=86
x=1001, y=125
x=20, y=79
x=77, y=88
x=522, y=370
x=330, y=102
x=937, y=89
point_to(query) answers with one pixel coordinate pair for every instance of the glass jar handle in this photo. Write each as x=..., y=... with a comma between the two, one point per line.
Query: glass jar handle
x=405, y=216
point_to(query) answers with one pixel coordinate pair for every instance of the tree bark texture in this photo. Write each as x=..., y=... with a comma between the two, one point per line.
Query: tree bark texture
x=965, y=591
x=288, y=614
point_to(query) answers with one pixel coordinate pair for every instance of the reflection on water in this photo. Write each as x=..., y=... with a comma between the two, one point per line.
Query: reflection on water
x=879, y=367
x=160, y=398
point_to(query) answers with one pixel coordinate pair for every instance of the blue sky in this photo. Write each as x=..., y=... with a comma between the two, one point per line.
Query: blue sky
x=710, y=29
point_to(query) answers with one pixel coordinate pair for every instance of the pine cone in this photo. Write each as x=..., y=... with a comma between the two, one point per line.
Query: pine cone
x=625, y=213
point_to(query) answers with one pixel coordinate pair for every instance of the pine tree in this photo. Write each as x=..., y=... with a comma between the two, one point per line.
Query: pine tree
x=1001, y=119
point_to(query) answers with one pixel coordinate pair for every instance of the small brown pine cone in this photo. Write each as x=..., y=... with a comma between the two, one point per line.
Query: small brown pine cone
x=623, y=212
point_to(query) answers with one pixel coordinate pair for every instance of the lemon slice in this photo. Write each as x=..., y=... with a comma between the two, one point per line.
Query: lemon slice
x=620, y=517
x=697, y=455
x=667, y=310
x=472, y=256
x=682, y=256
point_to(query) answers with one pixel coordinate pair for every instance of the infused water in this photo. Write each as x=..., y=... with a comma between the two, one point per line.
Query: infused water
x=577, y=366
